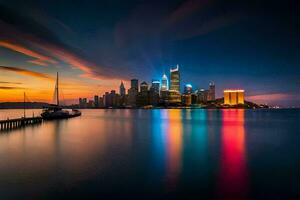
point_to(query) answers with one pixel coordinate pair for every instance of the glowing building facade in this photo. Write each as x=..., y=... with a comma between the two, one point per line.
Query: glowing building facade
x=211, y=92
x=234, y=97
x=164, y=83
x=188, y=89
x=175, y=79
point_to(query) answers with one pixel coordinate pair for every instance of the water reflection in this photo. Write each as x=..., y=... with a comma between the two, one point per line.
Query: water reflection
x=167, y=136
x=233, y=169
x=174, y=146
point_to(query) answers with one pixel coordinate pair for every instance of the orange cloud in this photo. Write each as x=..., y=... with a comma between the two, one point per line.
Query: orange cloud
x=40, y=59
x=25, y=72
x=90, y=70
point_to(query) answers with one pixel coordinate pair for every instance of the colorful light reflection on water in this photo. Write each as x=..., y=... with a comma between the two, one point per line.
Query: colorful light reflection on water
x=154, y=154
x=233, y=169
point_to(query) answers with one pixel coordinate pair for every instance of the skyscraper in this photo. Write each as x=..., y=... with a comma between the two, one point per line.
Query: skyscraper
x=211, y=92
x=154, y=93
x=122, y=89
x=135, y=84
x=202, y=95
x=164, y=83
x=144, y=87
x=133, y=92
x=175, y=79
x=143, y=96
x=155, y=85
x=96, y=101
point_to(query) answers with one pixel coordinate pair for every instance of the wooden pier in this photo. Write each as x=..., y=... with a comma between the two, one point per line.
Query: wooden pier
x=19, y=122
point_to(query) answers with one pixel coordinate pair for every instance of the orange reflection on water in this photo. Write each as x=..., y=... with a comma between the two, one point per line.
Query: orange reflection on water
x=233, y=172
x=173, y=146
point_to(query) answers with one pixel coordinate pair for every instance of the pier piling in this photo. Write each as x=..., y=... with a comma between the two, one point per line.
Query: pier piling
x=19, y=122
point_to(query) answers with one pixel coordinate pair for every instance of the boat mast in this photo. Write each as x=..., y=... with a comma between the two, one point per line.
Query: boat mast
x=57, y=94
x=24, y=114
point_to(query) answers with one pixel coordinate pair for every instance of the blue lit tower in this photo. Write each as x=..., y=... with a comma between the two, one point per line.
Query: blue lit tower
x=188, y=89
x=164, y=83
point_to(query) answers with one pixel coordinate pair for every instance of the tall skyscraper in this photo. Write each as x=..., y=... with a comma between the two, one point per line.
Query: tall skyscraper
x=211, y=92
x=164, y=83
x=175, y=79
x=122, y=89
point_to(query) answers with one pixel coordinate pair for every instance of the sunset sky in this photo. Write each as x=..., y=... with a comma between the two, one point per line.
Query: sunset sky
x=251, y=45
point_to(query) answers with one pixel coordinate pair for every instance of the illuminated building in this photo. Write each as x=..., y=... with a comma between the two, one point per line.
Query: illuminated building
x=164, y=83
x=211, y=92
x=172, y=97
x=202, y=96
x=188, y=89
x=122, y=89
x=175, y=79
x=234, y=97
x=186, y=99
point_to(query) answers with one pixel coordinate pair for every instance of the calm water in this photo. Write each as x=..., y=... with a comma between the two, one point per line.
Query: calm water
x=122, y=154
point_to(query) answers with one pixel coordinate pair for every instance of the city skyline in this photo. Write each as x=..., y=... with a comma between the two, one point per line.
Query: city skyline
x=159, y=94
x=235, y=44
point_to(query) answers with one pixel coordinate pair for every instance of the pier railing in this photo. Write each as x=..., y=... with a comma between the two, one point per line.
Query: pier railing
x=19, y=122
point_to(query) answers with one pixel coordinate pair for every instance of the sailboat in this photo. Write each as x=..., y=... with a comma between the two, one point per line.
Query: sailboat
x=55, y=111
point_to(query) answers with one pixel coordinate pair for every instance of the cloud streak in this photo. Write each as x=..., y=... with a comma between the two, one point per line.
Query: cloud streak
x=25, y=72
x=10, y=88
x=21, y=32
x=39, y=58
x=274, y=97
x=8, y=82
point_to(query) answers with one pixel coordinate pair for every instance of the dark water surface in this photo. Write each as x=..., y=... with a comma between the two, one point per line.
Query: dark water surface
x=192, y=154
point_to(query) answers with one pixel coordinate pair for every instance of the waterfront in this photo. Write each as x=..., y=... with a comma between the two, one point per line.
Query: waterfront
x=154, y=153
